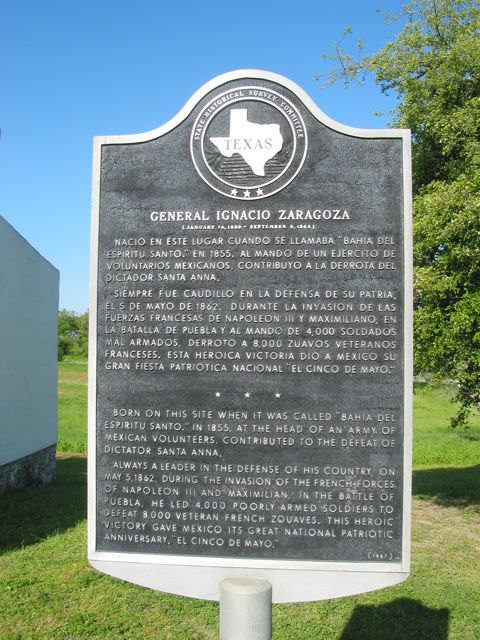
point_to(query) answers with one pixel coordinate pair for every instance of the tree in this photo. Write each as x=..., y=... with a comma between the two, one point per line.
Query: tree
x=433, y=68
x=72, y=334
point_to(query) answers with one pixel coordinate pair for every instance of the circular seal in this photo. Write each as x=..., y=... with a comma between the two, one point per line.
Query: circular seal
x=248, y=142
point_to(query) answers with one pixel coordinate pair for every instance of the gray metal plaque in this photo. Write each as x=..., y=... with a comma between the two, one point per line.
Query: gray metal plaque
x=250, y=352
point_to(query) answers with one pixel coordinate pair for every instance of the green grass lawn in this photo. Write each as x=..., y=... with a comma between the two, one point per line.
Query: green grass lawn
x=49, y=592
x=72, y=407
x=434, y=442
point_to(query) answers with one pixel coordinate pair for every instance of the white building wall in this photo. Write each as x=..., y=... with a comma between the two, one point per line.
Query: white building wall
x=28, y=348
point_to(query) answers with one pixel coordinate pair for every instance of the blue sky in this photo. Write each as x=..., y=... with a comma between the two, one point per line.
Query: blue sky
x=72, y=70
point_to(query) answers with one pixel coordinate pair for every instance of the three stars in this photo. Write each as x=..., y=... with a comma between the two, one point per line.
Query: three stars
x=246, y=193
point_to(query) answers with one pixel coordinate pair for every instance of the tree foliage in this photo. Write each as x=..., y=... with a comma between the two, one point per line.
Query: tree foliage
x=72, y=334
x=433, y=69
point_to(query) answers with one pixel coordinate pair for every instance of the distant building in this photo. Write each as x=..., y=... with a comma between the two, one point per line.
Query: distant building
x=28, y=363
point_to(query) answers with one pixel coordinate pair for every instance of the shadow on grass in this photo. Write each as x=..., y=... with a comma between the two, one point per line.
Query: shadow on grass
x=449, y=486
x=30, y=515
x=401, y=619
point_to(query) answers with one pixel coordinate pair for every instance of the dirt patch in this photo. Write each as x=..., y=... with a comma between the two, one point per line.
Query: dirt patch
x=445, y=527
x=72, y=377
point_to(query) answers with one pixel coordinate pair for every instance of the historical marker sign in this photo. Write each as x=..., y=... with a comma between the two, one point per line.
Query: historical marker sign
x=251, y=348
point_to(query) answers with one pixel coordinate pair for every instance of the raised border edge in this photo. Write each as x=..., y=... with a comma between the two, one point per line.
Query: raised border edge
x=257, y=74
x=174, y=565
